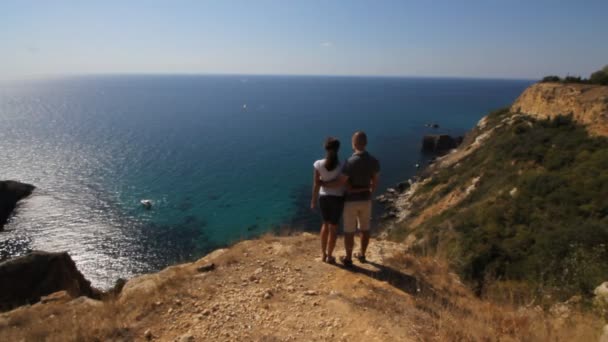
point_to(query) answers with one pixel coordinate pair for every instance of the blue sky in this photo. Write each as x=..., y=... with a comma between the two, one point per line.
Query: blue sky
x=455, y=38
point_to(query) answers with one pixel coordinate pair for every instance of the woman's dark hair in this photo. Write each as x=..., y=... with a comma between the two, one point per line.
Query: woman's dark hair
x=332, y=145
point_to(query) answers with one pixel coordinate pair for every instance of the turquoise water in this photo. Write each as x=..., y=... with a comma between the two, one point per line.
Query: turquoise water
x=222, y=157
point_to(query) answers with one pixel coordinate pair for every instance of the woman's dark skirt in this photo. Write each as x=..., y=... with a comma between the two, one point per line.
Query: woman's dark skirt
x=331, y=208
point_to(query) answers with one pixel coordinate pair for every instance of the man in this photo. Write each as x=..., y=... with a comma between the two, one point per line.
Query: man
x=360, y=174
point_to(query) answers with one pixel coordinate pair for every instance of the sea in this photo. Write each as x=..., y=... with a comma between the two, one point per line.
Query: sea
x=222, y=158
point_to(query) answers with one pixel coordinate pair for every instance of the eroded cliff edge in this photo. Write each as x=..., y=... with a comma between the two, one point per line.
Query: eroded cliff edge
x=588, y=104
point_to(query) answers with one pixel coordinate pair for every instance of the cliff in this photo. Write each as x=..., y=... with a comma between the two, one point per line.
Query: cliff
x=588, y=104
x=274, y=289
x=520, y=205
x=11, y=192
x=26, y=279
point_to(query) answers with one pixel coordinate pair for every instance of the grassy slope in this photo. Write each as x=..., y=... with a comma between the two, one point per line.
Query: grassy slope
x=551, y=235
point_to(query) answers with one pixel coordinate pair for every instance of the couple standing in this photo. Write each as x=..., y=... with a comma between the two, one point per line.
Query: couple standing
x=345, y=190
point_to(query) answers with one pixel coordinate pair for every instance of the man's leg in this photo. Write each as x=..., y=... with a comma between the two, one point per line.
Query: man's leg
x=365, y=217
x=350, y=226
x=364, y=241
x=349, y=243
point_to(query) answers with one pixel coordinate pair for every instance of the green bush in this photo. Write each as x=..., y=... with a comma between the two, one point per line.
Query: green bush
x=551, y=79
x=600, y=76
x=574, y=79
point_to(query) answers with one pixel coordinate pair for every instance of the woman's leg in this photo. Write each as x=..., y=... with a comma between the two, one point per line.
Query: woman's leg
x=331, y=243
x=324, y=236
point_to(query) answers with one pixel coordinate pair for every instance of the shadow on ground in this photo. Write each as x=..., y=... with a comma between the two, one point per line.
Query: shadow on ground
x=398, y=279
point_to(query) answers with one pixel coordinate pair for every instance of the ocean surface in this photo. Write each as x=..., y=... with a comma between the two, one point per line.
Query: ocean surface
x=223, y=158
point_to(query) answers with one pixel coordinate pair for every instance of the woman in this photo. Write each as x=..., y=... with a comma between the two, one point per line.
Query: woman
x=331, y=200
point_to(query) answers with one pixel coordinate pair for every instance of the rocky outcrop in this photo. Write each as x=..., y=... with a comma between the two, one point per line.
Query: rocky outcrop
x=440, y=143
x=588, y=104
x=11, y=192
x=24, y=280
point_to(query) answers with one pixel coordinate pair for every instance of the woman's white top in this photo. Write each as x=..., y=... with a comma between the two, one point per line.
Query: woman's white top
x=327, y=176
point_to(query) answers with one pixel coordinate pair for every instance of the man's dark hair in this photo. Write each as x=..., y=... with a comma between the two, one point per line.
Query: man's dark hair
x=360, y=139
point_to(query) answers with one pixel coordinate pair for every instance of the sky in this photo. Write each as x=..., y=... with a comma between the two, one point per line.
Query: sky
x=450, y=38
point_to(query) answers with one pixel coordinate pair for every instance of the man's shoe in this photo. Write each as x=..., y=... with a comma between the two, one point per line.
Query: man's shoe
x=361, y=258
x=346, y=262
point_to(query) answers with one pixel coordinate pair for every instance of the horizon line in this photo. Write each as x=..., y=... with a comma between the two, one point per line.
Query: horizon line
x=110, y=74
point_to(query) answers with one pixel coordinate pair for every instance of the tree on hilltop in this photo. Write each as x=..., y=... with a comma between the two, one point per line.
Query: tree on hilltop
x=600, y=76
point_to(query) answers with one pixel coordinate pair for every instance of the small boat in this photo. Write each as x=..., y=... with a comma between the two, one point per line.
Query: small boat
x=146, y=203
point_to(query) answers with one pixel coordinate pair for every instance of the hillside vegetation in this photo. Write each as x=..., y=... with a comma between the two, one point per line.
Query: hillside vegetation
x=599, y=77
x=534, y=217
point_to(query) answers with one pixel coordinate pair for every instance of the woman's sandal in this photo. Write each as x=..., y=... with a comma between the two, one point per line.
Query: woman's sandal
x=331, y=260
x=346, y=262
x=360, y=257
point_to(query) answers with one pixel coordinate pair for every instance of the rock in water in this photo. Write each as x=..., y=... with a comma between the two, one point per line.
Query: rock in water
x=26, y=279
x=11, y=192
x=403, y=186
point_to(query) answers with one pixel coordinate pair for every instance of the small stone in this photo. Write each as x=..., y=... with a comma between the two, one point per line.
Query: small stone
x=148, y=334
x=206, y=268
x=267, y=295
x=258, y=271
x=178, y=302
x=186, y=338
x=170, y=311
x=311, y=293
x=60, y=296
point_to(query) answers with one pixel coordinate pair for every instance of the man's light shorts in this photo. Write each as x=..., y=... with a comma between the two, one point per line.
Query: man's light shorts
x=357, y=214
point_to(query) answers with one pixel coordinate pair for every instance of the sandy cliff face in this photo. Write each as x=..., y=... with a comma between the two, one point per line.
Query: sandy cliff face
x=587, y=103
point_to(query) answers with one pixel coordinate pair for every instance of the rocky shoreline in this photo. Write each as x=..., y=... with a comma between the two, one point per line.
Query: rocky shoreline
x=395, y=199
x=389, y=198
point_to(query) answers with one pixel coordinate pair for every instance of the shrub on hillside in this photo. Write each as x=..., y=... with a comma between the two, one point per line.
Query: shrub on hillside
x=551, y=79
x=574, y=79
x=600, y=76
